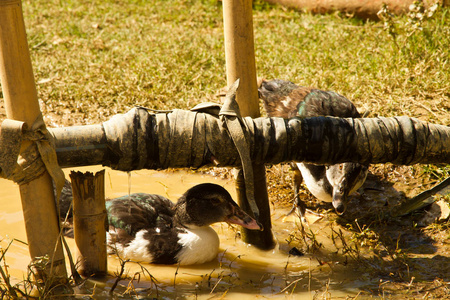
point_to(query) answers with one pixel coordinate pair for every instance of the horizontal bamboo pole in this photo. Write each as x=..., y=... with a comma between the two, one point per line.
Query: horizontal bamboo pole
x=139, y=140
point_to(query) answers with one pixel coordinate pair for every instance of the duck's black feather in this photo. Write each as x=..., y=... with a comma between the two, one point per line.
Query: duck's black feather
x=326, y=103
x=127, y=215
x=285, y=99
x=140, y=211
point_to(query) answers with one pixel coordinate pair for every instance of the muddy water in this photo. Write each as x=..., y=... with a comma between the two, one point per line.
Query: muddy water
x=240, y=270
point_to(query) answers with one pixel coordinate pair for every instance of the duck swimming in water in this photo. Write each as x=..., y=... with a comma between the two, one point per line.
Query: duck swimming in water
x=153, y=229
x=329, y=183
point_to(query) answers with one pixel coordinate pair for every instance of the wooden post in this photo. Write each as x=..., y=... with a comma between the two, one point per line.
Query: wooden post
x=89, y=222
x=240, y=54
x=240, y=61
x=261, y=239
x=21, y=103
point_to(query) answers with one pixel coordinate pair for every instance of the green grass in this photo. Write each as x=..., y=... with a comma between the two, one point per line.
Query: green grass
x=111, y=55
x=107, y=56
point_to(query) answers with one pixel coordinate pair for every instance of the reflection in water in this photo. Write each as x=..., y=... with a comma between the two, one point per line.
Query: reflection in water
x=240, y=270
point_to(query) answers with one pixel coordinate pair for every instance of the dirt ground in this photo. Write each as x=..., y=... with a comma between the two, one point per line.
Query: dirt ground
x=403, y=254
x=411, y=260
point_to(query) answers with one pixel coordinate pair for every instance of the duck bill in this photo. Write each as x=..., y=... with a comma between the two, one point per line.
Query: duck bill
x=339, y=203
x=239, y=217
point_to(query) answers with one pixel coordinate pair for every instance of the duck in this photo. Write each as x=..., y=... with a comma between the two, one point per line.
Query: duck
x=328, y=183
x=151, y=228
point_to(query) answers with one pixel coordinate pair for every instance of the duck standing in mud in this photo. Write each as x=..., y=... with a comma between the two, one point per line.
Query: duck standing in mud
x=151, y=228
x=329, y=183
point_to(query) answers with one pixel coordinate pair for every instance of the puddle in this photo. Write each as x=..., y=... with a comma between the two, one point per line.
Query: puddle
x=240, y=270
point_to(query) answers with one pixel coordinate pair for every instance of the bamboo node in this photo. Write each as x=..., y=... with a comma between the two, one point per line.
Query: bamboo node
x=10, y=2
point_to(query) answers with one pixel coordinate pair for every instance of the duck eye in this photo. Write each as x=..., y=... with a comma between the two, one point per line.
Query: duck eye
x=216, y=201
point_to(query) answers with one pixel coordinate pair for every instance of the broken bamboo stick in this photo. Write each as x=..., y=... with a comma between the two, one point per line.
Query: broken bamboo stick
x=89, y=222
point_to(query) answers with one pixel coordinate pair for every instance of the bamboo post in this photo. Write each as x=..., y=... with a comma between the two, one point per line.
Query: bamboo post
x=21, y=103
x=240, y=54
x=240, y=63
x=89, y=220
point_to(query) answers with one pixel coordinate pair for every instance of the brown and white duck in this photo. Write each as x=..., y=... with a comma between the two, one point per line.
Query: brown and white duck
x=329, y=183
x=151, y=228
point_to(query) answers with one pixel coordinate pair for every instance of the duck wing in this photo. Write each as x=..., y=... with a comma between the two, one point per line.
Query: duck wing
x=141, y=227
x=285, y=99
x=326, y=103
x=140, y=211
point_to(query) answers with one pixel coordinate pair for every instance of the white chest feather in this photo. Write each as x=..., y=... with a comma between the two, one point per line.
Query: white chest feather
x=315, y=187
x=136, y=250
x=199, y=245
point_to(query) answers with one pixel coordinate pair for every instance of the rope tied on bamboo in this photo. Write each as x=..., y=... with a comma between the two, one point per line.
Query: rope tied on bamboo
x=25, y=166
x=189, y=139
x=232, y=120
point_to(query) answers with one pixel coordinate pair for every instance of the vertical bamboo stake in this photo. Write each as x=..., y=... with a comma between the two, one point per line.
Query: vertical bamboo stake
x=89, y=222
x=19, y=92
x=240, y=61
x=240, y=54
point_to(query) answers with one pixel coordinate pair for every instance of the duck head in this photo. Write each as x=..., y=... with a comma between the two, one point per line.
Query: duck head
x=276, y=87
x=207, y=203
x=345, y=179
